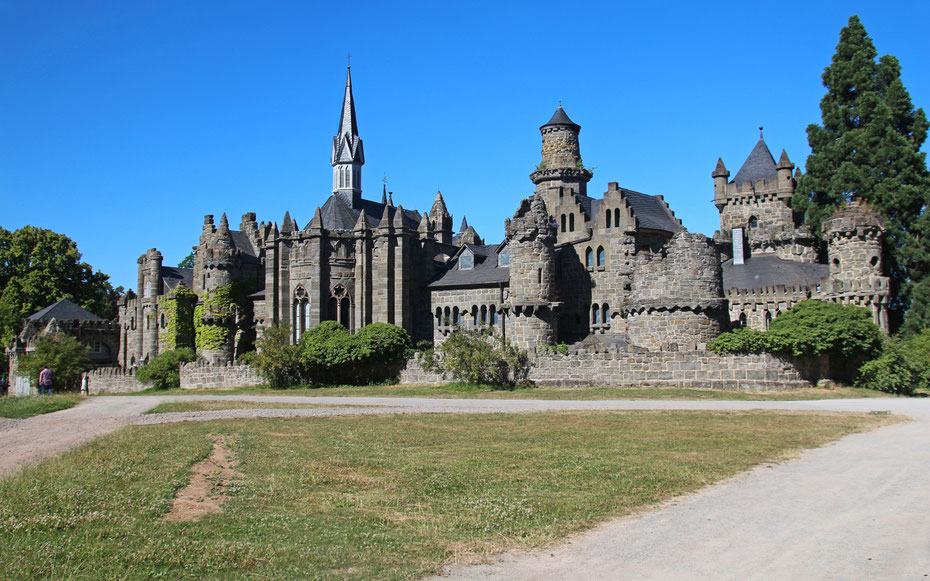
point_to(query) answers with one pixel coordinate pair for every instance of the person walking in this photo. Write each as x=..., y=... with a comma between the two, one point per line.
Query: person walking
x=84, y=384
x=45, y=380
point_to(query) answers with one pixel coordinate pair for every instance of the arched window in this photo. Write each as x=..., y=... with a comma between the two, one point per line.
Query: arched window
x=753, y=222
x=589, y=258
x=596, y=315
x=474, y=316
x=601, y=256
x=605, y=314
x=447, y=318
x=339, y=307
x=616, y=217
x=456, y=317
x=163, y=320
x=484, y=315
x=571, y=222
x=563, y=222
x=439, y=316
x=742, y=319
x=493, y=314
x=607, y=217
x=768, y=320
x=301, y=320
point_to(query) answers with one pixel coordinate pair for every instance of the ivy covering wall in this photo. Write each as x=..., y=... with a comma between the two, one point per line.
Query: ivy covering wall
x=178, y=309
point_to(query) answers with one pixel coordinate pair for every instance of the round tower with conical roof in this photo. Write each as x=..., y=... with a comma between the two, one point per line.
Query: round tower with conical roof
x=561, y=170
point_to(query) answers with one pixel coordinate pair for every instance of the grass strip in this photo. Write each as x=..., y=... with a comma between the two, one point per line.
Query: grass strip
x=550, y=393
x=217, y=405
x=34, y=405
x=384, y=497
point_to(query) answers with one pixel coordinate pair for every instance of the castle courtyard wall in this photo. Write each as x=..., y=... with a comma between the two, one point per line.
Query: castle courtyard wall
x=698, y=369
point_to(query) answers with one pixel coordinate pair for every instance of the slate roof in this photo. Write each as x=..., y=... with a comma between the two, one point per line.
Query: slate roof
x=484, y=272
x=769, y=270
x=172, y=277
x=758, y=166
x=64, y=310
x=561, y=118
x=337, y=215
x=243, y=243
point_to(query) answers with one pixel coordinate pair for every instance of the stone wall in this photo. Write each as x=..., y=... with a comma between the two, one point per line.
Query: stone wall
x=705, y=369
x=198, y=375
x=112, y=380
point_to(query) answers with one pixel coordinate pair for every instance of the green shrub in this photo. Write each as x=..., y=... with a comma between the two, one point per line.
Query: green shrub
x=743, y=340
x=277, y=360
x=902, y=368
x=163, y=371
x=329, y=354
x=480, y=356
x=64, y=355
x=812, y=328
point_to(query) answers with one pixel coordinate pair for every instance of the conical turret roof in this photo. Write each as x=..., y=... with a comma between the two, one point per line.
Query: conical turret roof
x=759, y=165
x=561, y=118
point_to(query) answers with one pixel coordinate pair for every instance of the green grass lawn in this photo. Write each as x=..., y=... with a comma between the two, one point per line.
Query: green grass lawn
x=33, y=405
x=384, y=497
x=216, y=405
x=586, y=393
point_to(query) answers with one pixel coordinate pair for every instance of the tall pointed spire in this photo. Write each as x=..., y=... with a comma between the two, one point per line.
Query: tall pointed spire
x=348, y=155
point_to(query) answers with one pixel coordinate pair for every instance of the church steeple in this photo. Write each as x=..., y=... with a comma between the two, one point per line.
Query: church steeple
x=348, y=156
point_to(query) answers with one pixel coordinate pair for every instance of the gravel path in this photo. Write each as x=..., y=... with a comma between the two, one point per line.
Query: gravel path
x=856, y=508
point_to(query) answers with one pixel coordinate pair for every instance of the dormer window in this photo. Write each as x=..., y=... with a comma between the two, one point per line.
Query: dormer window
x=466, y=261
x=503, y=259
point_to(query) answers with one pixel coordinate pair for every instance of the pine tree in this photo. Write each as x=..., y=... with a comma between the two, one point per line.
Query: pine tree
x=869, y=147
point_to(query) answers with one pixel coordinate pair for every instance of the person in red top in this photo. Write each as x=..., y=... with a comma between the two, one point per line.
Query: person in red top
x=45, y=380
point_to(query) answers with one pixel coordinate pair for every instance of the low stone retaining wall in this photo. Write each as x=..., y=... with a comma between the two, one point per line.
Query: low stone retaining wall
x=201, y=375
x=112, y=380
x=762, y=372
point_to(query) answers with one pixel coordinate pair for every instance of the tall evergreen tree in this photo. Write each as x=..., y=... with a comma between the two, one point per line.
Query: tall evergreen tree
x=869, y=147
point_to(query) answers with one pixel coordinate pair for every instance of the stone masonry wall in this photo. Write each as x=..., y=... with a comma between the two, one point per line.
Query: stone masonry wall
x=197, y=375
x=110, y=380
x=763, y=372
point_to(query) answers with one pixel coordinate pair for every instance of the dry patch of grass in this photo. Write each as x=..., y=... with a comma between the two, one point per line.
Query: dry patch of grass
x=209, y=405
x=210, y=478
x=377, y=497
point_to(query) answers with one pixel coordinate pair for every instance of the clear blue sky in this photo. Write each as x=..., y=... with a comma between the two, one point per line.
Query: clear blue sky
x=123, y=122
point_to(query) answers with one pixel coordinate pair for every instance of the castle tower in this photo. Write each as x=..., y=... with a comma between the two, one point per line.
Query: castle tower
x=348, y=156
x=676, y=301
x=533, y=295
x=854, y=242
x=214, y=259
x=441, y=220
x=561, y=171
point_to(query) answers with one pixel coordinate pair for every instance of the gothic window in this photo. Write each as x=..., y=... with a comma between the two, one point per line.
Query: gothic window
x=456, y=316
x=753, y=222
x=447, y=318
x=596, y=315
x=605, y=314
x=301, y=317
x=608, y=217
x=742, y=320
x=439, y=316
x=571, y=222
x=493, y=315
x=768, y=320
x=616, y=217
x=339, y=306
x=563, y=222
x=589, y=258
x=484, y=315
x=601, y=256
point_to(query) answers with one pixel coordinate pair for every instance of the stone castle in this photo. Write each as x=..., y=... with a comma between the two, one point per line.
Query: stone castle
x=618, y=272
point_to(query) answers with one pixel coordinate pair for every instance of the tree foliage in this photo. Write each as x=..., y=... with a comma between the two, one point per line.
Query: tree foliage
x=277, y=360
x=63, y=354
x=869, y=147
x=481, y=356
x=187, y=261
x=39, y=267
x=902, y=368
x=163, y=371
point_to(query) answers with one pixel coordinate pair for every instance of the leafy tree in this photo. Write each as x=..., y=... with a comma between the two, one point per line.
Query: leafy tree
x=743, y=340
x=481, y=356
x=163, y=370
x=812, y=328
x=63, y=354
x=39, y=267
x=188, y=261
x=869, y=147
x=277, y=360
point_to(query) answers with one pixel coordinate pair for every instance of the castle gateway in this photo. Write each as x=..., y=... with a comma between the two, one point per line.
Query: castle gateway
x=619, y=271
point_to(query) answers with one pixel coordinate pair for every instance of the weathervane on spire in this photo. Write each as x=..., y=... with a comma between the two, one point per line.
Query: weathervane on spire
x=760, y=132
